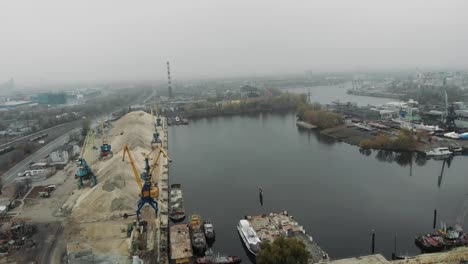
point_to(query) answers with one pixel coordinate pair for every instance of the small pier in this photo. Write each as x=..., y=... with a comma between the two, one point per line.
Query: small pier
x=268, y=227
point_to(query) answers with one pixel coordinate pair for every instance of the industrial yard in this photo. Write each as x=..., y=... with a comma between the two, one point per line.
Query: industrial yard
x=88, y=223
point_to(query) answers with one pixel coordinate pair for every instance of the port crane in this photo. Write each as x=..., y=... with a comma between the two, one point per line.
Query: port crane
x=156, y=122
x=149, y=192
x=106, y=149
x=150, y=169
x=84, y=171
x=450, y=114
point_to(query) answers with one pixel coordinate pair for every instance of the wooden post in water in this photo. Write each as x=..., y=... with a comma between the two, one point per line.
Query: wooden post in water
x=435, y=219
x=394, y=254
x=373, y=241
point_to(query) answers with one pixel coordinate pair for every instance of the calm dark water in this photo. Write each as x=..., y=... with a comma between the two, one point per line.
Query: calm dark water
x=336, y=192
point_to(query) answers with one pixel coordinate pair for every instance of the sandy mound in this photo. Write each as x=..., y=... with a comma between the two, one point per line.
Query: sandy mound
x=116, y=192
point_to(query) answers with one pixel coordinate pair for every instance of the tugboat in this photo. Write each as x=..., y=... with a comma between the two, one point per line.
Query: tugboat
x=198, y=238
x=176, y=206
x=208, y=229
x=211, y=258
x=430, y=243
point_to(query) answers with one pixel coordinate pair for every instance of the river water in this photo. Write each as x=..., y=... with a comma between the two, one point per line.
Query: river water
x=336, y=192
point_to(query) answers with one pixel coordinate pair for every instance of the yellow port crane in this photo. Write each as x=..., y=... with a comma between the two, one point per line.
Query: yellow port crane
x=149, y=192
x=155, y=163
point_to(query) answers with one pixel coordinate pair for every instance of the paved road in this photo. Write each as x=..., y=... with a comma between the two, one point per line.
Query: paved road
x=53, y=130
x=10, y=175
x=65, y=130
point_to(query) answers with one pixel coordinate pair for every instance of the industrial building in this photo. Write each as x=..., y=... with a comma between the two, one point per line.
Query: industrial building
x=51, y=98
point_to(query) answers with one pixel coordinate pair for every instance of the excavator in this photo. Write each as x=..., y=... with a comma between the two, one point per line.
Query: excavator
x=106, y=149
x=149, y=191
x=84, y=171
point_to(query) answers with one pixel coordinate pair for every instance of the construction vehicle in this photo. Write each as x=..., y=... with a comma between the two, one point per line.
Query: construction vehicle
x=84, y=171
x=106, y=149
x=149, y=192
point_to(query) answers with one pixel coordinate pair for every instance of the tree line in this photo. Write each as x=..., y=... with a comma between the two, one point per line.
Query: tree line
x=404, y=141
x=315, y=115
x=282, y=102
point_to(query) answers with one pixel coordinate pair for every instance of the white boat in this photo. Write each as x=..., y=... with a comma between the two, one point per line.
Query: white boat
x=439, y=153
x=455, y=148
x=249, y=237
x=452, y=135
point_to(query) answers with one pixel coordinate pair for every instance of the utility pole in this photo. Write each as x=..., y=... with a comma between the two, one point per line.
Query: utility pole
x=169, y=80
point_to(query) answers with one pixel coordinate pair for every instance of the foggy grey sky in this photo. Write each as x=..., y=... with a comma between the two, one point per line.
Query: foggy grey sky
x=117, y=40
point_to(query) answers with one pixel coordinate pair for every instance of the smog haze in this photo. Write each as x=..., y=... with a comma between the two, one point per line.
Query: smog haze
x=62, y=41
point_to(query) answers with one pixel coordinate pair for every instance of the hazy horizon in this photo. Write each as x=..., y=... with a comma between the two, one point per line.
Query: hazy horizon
x=56, y=41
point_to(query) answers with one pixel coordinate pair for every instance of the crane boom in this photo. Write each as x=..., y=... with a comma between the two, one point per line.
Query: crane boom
x=135, y=171
x=155, y=163
x=84, y=145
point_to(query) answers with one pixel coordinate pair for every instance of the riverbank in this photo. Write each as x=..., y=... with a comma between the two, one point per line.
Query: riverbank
x=354, y=135
x=348, y=133
x=267, y=104
x=375, y=93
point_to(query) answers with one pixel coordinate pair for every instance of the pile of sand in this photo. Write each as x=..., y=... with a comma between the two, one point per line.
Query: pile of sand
x=117, y=191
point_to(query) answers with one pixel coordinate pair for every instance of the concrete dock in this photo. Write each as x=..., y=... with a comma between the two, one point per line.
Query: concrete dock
x=268, y=227
x=157, y=234
x=163, y=202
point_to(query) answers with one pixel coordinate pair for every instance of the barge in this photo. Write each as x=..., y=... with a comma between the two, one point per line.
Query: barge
x=176, y=205
x=181, y=249
x=269, y=227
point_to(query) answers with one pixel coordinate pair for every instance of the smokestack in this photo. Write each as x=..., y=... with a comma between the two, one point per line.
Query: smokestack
x=169, y=87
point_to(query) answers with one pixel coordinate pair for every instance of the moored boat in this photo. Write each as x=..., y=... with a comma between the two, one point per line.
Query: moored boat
x=211, y=258
x=453, y=236
x=198, y=238
x=249, y=237
x=176, y=206
x=208, y=229
x=439, y=153
x=455, y=148
x=430, y=242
